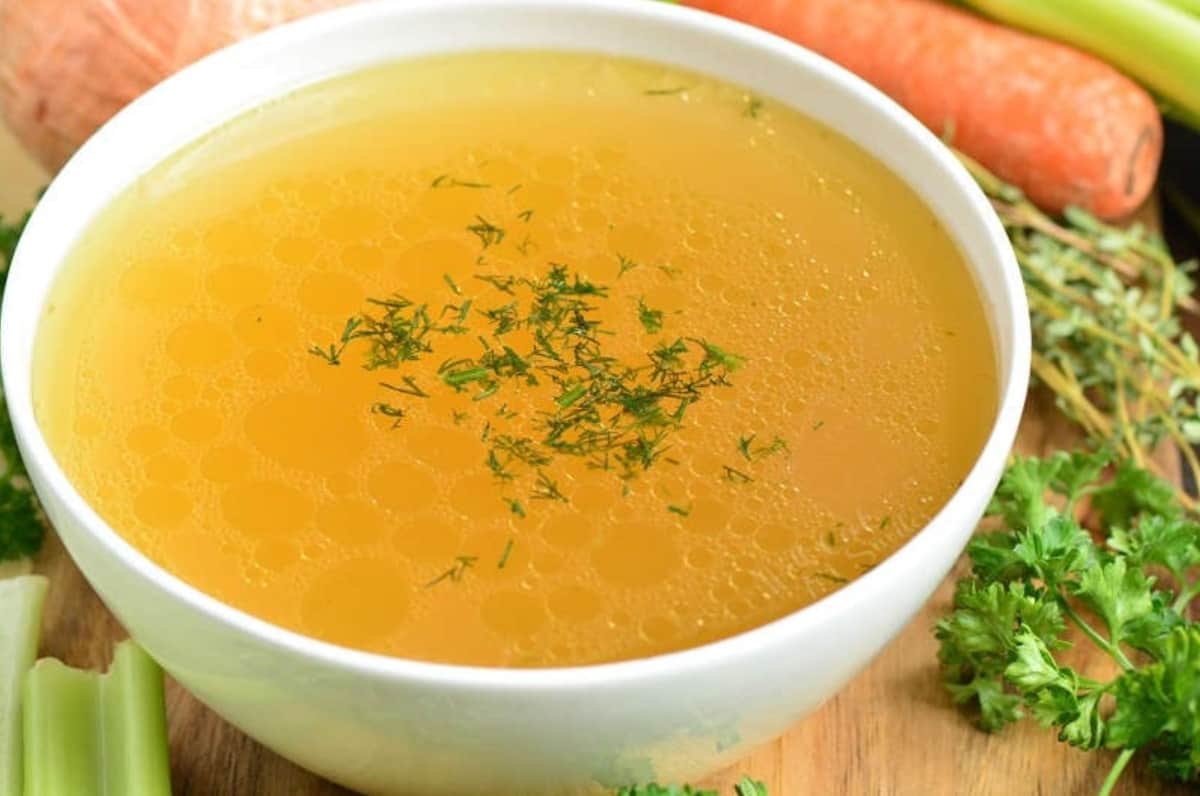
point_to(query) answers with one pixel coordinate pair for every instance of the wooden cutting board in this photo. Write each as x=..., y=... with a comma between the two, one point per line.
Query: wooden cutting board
x=892, y=730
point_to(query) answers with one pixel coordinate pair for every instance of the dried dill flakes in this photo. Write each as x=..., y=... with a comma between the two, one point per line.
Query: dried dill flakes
x=447, y=181
x=682, y=511
x=456, y=572
x=488, y=233
x=616, y=415
x=505, y=554
x=751, y=451
x=651, y=319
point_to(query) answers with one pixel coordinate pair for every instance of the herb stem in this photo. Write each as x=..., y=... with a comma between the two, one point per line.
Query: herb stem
x=1099, y=640
x=1126, y=427
x=1187, y=593
x=1114, y=773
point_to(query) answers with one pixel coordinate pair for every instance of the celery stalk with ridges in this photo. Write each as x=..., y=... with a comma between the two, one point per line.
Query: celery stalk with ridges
x=21, y=602
x=91, y=733
x=1156, y=42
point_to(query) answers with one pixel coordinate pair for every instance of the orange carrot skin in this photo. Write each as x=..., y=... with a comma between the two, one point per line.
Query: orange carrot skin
x=1063, y=126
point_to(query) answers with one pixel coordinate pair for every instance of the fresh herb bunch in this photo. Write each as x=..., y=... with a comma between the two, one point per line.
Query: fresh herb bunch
x=745, y=787
x=21, y=528
x=1105, y=303
x=1125, y=582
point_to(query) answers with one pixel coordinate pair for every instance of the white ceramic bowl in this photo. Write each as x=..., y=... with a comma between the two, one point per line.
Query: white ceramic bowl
x=379, y=724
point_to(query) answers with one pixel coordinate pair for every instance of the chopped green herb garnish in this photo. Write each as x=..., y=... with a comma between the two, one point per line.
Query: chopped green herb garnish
x=508, y=546
x=456, y=572
x=502, y=283
x=451, y=284
x=408, y=386
x=613, y=414
x=682, y=511
x=624, y=264
x=754, y=107
x=651, y=319
x=832, y=577
x=488, y=233
x=446, y=181
x=750, y=453
x=735, y=476
x=395, y=413
x=515, y=507
x=547, y=489
x=817, y=426
x=525, y=215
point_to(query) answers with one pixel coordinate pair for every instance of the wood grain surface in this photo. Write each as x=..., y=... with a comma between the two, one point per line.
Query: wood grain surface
x=892, y=730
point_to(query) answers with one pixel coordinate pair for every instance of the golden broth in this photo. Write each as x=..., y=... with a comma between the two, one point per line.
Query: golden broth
x=178, y=390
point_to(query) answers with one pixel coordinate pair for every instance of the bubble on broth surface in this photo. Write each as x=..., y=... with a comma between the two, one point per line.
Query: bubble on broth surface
x=260, y=472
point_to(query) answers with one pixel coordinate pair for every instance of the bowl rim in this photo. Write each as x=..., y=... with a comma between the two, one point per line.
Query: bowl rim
x=1013, y=374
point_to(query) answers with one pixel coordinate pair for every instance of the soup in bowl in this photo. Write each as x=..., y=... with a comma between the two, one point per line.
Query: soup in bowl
x=514, y=396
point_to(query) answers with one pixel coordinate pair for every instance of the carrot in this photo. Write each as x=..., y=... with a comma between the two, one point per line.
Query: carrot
x=1063, y=126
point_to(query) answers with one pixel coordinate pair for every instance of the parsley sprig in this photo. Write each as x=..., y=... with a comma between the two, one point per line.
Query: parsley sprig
x=1105, y=305
x=744, y=787
x=21, y=528
x=1124, y=583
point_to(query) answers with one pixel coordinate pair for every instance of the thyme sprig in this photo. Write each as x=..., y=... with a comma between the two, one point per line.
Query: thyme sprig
x=1105, y=305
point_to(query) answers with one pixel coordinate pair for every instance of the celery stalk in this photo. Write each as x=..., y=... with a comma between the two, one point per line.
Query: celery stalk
x=1154, y=41
x=21, y=602
x=62, y=747
x=87, y=733
x=135, y=724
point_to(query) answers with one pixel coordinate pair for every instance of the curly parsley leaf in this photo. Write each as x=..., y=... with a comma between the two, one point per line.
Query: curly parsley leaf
x=1131, y=492
x=1125, y=588
x=1116, y=593
x=21, y=529
x=1170, y=542
x=1158, y=706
